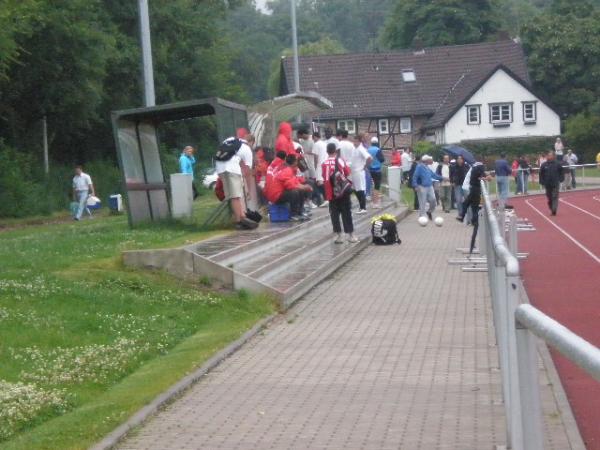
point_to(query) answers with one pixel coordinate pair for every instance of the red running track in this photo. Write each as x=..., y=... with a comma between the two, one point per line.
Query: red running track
x=562, y=278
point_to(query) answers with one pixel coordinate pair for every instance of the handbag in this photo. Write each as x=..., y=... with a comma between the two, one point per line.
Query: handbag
x=342, y=186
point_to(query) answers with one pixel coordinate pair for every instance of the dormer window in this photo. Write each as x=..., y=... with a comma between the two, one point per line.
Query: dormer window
x=409, y=76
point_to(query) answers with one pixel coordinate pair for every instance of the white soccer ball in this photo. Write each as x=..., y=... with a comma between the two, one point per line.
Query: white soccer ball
x=439, y=221
x=423, y=221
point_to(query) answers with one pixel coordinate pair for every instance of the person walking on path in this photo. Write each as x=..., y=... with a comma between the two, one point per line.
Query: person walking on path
x=572, y=160
x=443, y=170
x=361, y=158
x=559, y=148
x=423, y=184
x=82, y=188
x=551, y=176
x=377, y=159
x=503, y=172
x=338, y=206
x=186, y=165
x=458, y=173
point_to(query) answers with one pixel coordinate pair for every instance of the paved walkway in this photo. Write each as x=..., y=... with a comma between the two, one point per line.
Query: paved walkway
x=396, y=351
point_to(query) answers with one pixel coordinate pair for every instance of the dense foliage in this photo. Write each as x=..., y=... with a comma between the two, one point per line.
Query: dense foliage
x=73, y=61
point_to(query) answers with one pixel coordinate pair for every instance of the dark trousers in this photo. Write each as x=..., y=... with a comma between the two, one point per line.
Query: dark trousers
x=573, y=181
x=195, y=191
x=296, y=200
x=341, y=206
x=362, y=199
x=416, y=202
x=552, y=196
x=473, y=201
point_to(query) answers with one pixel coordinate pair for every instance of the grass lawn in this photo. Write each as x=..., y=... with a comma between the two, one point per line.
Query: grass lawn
x=86, y=342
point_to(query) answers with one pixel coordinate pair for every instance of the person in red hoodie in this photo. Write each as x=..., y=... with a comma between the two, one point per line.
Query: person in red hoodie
x=287, y=188
x=396, y=158
x=284, y=139
x=272, y=170
x=338, y=206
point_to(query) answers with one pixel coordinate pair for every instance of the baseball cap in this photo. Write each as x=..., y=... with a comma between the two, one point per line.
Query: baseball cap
x=374, y=140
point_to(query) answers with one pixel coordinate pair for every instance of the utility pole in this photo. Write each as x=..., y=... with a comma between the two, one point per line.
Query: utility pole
x=45, y=133
x=295, y=47
x=148, y=73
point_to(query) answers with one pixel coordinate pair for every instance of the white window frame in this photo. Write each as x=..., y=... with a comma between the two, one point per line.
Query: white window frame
x=504, y=114
x=404, y=129
x=383, y=125
x=409, y=76
x=476, y=108
x=347, y=124
x=533, y=118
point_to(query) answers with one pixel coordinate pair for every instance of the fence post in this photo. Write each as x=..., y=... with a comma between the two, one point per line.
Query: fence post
x=583, y=175
x=531, y=410
x=515, y=416
x=513, y=236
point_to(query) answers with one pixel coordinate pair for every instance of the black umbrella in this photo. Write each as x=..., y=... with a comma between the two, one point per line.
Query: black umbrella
x=455, y=151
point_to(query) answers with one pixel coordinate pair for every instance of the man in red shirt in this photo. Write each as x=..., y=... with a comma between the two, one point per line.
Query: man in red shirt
x=284, y=139
x=287, y=188
x=338, y=206
x=272, y=170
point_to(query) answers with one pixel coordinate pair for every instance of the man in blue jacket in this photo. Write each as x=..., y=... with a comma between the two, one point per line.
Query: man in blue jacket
x=186, y=165
x=423, y=185
x=503, y=172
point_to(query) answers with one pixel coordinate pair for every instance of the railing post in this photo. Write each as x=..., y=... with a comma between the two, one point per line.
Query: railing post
x=531, y=410
x=583, y=175
x=515, y=416
x=513, y=236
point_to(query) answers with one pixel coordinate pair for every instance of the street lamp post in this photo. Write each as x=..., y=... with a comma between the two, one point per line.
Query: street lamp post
x=295, y=47
x=148, y=74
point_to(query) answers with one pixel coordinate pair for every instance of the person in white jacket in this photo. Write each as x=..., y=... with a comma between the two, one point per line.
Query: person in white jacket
x=360, y=159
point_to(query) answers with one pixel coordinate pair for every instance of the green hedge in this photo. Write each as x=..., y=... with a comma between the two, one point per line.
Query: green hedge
x=26, y=191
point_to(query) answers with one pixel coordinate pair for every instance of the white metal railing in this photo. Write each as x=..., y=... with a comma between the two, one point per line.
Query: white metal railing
x=516, y=326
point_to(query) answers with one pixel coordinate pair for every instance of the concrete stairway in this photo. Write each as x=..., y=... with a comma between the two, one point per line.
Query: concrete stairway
x=284, y=260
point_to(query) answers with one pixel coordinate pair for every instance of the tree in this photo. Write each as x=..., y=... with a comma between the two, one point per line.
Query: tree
x=325, y=46
x=15, y=18
x=583, y=134
x=440, y=22
x=564, y=57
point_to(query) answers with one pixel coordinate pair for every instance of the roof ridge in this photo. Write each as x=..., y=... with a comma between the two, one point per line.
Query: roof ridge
x=452, y=89
x=409, y=50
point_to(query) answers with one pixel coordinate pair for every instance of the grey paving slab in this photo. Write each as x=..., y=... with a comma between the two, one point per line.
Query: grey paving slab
x=395, y=351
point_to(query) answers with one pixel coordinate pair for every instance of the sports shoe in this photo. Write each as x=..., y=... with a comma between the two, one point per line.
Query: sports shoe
x=249, y=224
x=295, y=219
x=338, y=239
x=325, y=204
x=352, y=239
x=312, y=205
x=305, y=216
x=361, y=211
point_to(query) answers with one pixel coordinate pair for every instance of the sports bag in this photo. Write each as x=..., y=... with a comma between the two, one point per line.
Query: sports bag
x=228, y=148
x=384, y=230
x=340, y=183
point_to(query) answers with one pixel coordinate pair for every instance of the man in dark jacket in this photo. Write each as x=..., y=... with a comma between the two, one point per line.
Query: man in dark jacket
x=474, y=198
x=411, y=174
x=551, y=175
x=458, y=172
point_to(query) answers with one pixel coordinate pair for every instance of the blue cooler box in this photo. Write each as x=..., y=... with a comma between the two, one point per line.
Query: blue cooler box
x=279, y=213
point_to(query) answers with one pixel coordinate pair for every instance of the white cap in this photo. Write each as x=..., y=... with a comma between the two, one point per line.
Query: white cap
x=374, y=140
x=426, y=157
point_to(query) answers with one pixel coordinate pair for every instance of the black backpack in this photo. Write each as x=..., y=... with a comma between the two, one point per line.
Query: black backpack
x=384, y=231
x=228, y=148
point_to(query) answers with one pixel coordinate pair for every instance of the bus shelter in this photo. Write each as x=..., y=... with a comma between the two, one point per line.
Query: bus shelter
x=136, y=138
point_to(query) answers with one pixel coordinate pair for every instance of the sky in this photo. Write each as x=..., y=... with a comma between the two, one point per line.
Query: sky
x=261, y=4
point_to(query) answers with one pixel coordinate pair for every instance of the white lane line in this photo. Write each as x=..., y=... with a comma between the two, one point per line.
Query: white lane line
x=575, y=241
x=580, y=209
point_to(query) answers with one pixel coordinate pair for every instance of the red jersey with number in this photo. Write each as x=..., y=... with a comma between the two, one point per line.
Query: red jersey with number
x=328, y=168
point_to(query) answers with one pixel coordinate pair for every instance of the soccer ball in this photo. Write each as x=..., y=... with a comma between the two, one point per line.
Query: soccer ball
x=423, y=221
x=439, y=221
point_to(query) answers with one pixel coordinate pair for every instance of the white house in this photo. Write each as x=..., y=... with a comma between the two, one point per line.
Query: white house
x=502, y=106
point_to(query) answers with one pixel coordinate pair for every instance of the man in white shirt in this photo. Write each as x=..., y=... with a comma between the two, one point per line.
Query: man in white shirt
x=346, y=147
x=406, y=160
x=571, y=159
x=82, y=187
x=330, y=138
x=232, y=173
x=320, y=152
x=360, y=159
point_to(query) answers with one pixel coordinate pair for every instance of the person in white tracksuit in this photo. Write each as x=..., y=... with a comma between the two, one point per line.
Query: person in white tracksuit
x=360, y=159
